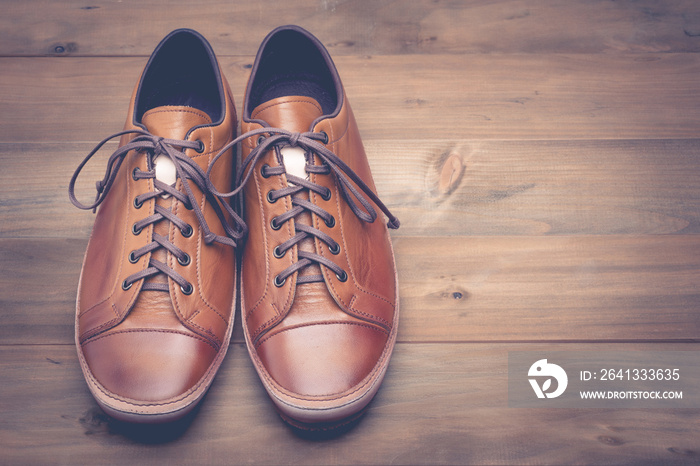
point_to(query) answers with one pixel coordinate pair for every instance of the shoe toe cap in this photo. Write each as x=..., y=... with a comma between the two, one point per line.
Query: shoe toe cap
x=148, y=365
x=325, y=359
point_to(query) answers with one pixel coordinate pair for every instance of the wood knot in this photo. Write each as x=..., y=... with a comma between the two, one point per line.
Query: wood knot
x=612, y=441
x=451, y=173
x=682, y=452
x=63, y=48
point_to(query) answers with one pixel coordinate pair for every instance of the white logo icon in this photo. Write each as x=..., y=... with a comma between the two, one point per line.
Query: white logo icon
x=543, y=369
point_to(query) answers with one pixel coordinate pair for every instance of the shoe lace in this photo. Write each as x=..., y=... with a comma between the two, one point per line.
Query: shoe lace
x=357, y=200
x=188, y=172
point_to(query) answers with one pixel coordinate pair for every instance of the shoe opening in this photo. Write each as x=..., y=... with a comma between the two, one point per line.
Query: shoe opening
x=292, y=64
x=182, y=71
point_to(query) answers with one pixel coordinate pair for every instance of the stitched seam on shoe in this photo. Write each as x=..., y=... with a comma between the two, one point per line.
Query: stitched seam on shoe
x=313, y=324
x=174, y=294
x=263, y=221
x=147, y=330
x=296, y=101
x=278, y=312
x=189, y=321
x=347, y=258
x=96, y=330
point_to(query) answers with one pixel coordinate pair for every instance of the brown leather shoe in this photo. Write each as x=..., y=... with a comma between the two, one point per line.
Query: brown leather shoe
x=157, y=289
x=319, y=291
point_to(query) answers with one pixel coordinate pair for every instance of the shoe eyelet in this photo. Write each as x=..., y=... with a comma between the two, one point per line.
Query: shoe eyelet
x=330, y=223
x=279, y=283
x=342, y=277
x=125, y=286
x=334, y=250
x=274, y=225
x=135, y=231
x=263, y=171
x=188, y=205
x=260, y=140
x=185, y=261
x=200, y=148
x=132, y=257
x=271, y=199
x=325, y=137
x=277, y=253
x=133, y=174
x=137, y=204
x=326, y=196
x=187, y=231
x=187, y=289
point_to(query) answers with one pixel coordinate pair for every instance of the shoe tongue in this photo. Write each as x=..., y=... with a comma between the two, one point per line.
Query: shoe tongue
x=173, y=122
x=293, y=113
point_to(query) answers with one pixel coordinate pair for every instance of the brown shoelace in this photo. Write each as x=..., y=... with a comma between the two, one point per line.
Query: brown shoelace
x=187, y=171
x=276, y=138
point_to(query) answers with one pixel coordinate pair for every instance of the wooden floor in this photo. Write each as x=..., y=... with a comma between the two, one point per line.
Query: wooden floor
x=544, y=160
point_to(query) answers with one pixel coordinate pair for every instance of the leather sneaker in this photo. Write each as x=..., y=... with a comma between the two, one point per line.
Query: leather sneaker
x=319, y=285
x=157, y=289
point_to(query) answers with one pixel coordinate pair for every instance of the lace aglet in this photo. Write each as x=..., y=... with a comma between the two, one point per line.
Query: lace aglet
x=393, y=223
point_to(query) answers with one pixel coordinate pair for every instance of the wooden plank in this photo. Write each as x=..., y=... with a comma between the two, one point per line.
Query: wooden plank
x=517, y=288
x=540, y=187
x=404, y=97
x=439, y=404
x=505, y=188
x=356, y=27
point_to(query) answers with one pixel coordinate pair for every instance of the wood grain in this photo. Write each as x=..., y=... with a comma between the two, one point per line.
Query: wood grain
x=542, y=158
x=439, y=404
x=505, y=188
x=404, y=97
x=357, y=27
x=508, y=288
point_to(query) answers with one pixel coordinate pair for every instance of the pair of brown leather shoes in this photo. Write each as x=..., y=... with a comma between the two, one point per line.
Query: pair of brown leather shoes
x=157, y=293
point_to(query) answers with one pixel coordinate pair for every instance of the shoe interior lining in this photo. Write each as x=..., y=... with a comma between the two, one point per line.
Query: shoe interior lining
x=291, y=64
x=182, y=73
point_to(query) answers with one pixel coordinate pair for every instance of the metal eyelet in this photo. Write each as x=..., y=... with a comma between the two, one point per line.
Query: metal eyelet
x=334, y=250
x=187, y=290
x=277, y=253
x=342, y=277
x=326, y=196
x=274, y=225
x=271, y=199
x=187, y=231
x=260, y=140
x=125, y=286
x=330, y=223
x=184, y=262
x=200, y=148
x=133, y=174
x=137, y=204
x=263, y=171
x=188, y=205
x=136, y=231
x=325, y=136
x=279, y=283
x=132, y=257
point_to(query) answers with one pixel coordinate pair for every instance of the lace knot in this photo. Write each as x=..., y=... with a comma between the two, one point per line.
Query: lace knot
x=294, y=139
x=159, y=145
x=209, y=237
